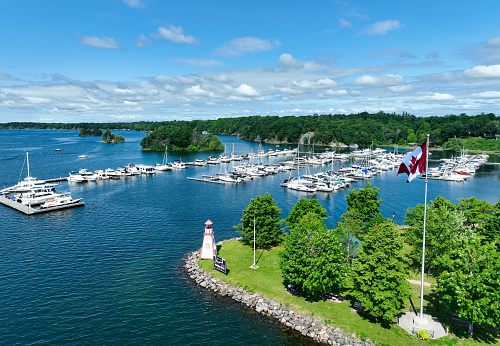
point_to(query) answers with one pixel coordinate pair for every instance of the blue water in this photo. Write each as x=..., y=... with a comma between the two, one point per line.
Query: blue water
x=111, y=272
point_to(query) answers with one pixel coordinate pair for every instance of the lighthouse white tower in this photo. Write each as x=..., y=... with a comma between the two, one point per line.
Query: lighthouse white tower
x=209, y=249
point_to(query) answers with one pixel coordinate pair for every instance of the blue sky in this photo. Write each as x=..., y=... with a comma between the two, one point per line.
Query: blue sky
x=133, y=60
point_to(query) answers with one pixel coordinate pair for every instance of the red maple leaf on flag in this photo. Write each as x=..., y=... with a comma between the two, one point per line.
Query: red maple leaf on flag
x=413, y=164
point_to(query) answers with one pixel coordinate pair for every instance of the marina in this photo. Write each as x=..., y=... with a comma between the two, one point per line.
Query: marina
x=29, y=210
x=113, y=271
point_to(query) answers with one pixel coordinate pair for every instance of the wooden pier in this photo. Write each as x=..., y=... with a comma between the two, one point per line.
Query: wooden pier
x=31, y=210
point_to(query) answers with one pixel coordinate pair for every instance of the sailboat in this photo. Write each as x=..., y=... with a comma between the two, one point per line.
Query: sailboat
x=29, y=183
x=299, y=183
x=165, y=166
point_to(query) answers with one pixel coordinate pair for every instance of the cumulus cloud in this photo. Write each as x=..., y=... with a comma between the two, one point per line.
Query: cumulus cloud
x=246, y=45
x=382, y=28
x=436, y=97
x=400, y=88
x=482, y=71
x=142, y=41
x=379, y=81
x=487, y=95
x=247, y=90
x=344, y=23
x=288, y=61
x=104, y=43
x=340, y=92
x=176, y=34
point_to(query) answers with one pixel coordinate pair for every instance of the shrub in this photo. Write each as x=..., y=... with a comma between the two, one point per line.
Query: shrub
x=423, y=335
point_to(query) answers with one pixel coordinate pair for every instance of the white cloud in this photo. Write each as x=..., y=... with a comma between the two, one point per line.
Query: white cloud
x=487, y=95
x=383, y=80
x=4, y=76
x=482, y=71
x=176, y=35
x=142, y=41
x=400, y=88
x=340, y=92
x=344, y=23
x=436, y=97
x=382, y=28
x=288, y=61
x=246, y=45
x=493, y=42
x=104, y=43
x=247, y=90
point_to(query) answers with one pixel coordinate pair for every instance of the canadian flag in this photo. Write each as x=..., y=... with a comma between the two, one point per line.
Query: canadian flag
x=414, y=163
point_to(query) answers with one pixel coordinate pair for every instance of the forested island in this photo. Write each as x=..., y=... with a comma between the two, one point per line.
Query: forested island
x=477, y=132
x=85, y=132
x=180, y=138
x=108, y=137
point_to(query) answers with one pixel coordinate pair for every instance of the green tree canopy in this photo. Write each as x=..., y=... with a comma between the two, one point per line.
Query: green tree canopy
x=365, y=201
x=313, y=258
x=303, y=207
x=266, y=214
x=380, y=273
x=470, y=282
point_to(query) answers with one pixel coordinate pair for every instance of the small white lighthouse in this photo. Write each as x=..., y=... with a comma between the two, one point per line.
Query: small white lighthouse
x=209, y=249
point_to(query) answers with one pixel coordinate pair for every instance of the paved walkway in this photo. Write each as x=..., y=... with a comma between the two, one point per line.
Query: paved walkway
x=417, y=282
x=410, y=322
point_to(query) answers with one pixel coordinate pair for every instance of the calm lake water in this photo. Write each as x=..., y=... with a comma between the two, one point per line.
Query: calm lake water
x=111, y=272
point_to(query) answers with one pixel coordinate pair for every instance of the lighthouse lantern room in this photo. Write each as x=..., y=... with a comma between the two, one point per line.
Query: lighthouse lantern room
x=209, y=249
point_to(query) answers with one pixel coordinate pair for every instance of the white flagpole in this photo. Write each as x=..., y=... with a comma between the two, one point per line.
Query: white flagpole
x=425, y=221
x=254, y=241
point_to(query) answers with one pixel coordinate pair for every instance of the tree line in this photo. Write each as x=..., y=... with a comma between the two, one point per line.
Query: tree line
x=365, y=254
x=362, y=128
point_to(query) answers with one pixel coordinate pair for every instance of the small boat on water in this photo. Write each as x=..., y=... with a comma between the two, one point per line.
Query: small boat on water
x=75, y=177
x=36, y=196
x=82, y=156
x=57, y=149
x=178, y=164
x=64, y=199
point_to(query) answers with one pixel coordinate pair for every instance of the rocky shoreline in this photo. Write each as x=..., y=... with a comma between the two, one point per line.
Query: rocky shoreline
x=304, y=324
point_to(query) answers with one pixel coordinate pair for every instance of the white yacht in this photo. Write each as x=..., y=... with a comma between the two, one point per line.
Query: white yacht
x=36, y=196
x=178, y=164
x=146, y=169
x=87, y=175
x=75, y=177
x=64, y=199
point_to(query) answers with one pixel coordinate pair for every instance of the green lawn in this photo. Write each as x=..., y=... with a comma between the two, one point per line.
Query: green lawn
x=267, y=280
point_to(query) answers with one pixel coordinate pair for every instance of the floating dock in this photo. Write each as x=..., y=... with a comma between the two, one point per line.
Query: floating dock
x=208, y=179
x=32, y=211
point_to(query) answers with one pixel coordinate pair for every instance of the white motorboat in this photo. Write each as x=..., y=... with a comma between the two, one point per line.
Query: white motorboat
x=87, y=175
x=199, y=162
x=163, y=167
x=212, y=160
x=178, y=164
x=36, y=196
x=75, y=177
x=101, y=175
x=230, y=178
x=146, y=169
x=82, y=156
x=111, y=173
x=132, y=169
x=62, y=200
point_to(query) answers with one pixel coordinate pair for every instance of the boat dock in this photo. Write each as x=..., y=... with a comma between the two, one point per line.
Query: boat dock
x=208, y=179
x=32, y=211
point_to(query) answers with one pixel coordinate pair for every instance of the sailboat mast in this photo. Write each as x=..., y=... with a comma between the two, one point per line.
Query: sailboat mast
x=28, y=163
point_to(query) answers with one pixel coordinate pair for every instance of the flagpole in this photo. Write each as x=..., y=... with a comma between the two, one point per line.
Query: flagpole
x=425, y=221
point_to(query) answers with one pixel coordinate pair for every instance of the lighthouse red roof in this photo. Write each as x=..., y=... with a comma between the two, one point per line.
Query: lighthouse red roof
x=208, y=223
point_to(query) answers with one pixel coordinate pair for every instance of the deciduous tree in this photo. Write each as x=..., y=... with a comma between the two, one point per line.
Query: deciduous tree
x=267, y=221
x=313, y=258
x=380, y=273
